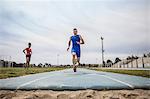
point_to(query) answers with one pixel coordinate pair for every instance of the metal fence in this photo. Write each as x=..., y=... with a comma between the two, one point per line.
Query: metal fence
x=142, y=62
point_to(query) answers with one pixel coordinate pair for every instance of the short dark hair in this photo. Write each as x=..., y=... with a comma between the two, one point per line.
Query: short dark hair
x=29, y=43
x=74, y=29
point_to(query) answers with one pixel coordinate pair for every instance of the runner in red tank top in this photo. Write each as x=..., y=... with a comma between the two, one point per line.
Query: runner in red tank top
x=28, y=53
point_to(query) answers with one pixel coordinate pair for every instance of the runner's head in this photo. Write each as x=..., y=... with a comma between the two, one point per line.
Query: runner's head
x=75, y=31
x=29, y=44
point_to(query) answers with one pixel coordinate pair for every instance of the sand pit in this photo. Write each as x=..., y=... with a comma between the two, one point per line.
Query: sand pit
x=82, y=94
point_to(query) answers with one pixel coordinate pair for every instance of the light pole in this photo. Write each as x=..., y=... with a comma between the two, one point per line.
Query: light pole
x=102, y=51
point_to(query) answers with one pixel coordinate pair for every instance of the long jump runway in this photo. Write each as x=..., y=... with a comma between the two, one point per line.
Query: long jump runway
x=68, y=80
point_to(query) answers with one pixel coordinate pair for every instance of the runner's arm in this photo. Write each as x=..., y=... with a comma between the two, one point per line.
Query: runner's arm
x=82, y=41
x=69, y=43
x=31, y=52
x=24, y=51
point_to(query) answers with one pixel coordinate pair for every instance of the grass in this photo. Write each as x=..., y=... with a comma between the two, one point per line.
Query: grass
x=15, y=72
x=143, y=73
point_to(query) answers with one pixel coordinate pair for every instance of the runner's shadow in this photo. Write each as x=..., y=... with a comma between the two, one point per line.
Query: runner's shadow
x=81, y=73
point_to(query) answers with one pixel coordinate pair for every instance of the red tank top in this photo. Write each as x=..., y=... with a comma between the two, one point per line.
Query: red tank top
x=28, y=50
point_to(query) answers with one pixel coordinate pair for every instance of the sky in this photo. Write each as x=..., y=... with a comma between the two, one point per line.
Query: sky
x=48, y=25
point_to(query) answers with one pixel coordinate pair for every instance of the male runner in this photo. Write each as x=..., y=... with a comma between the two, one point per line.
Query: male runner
x=28, y=53
x=76, y=41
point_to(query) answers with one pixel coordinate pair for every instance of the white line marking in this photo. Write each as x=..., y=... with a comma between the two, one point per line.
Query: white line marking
x=27, y=83
x=127, y=84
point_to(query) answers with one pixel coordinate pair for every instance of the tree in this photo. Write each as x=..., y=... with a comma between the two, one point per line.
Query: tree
x=117, y=60
x=136, y=57
x=148, y=55
x=129, y=58
x=40, y=65
x=109, y=63
x=133, y=57
x=144, y=55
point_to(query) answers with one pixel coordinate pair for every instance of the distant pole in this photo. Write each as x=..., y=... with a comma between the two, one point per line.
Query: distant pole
x=102, y=51
x=143, y=62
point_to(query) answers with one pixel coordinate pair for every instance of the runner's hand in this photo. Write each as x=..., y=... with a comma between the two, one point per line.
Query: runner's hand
x=25, y=53
x=68, y=49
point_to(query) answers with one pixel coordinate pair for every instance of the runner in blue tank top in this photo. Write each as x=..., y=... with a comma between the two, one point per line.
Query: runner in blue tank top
x=76, y=41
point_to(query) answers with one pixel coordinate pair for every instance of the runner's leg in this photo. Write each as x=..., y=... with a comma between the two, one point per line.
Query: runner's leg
x=78, y=60
x=74, y=62
x=78, y=57
x=27, y=62
x=73, y=59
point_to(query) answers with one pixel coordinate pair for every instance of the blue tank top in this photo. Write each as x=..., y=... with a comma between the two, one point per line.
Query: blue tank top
x=75, y=45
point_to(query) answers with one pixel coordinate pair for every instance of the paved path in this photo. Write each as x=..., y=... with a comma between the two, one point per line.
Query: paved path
x=82, y=79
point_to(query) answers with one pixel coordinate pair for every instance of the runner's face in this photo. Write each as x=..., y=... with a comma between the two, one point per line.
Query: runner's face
x=75, y=32
x=29, y=45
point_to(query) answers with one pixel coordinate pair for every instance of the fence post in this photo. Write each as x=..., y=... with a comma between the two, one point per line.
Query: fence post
x=131, y=63
x=143, y=62
x=136, y=63
x=120, y=65
x=127, y=65
x=123, y=65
